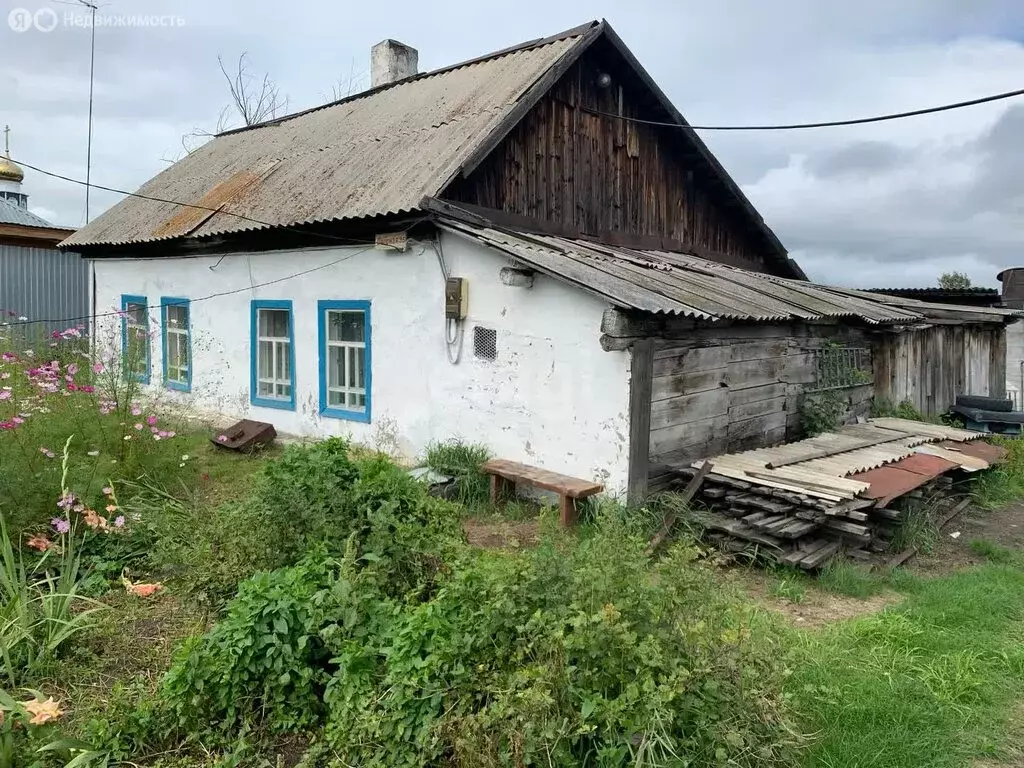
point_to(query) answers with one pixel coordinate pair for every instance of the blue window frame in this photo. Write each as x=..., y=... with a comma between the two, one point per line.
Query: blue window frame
x=176, y=325
x=272, y=354
x=345, y=359
x=135, y=352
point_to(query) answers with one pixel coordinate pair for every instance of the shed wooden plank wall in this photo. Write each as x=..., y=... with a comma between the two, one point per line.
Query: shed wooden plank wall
x=594, y=174
x=929, y=366
x=741, y=391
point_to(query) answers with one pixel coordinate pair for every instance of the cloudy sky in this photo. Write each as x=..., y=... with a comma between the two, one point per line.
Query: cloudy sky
x=890, y=204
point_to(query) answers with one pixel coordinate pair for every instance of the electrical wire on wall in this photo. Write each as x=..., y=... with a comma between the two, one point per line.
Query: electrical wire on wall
x=453, y=330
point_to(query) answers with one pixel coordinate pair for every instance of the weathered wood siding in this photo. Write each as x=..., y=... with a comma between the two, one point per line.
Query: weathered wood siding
x=734, y=390
x=595, y=174
x=929, y=366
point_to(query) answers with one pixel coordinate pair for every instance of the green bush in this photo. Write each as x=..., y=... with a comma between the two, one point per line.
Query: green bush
x=313, y=496
x=576, y=653
x=265, y=653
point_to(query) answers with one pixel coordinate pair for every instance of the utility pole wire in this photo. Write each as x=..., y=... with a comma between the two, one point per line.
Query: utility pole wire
x=800, y=126
x=221, y=210
x=92, y=81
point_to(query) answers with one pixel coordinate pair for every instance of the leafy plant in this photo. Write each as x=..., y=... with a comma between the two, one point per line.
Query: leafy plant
x=39, y=610
x=905, y=409
x=822, y=412
x=462, y=461
x=563, y=655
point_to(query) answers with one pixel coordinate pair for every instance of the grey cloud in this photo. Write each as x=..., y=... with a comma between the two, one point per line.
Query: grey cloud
x=863, y=157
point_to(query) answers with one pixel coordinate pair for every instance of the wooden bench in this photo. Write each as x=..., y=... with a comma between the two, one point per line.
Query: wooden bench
x=569, y=489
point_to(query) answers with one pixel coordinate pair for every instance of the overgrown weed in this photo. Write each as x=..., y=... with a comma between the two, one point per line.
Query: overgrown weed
x=462, y=461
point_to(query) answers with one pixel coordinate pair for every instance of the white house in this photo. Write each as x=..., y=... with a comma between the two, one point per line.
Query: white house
x=498, y=251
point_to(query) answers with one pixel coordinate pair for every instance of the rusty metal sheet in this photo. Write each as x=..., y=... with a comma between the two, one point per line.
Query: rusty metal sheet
x=923, y=464
x=889, y=483
x=993, y=454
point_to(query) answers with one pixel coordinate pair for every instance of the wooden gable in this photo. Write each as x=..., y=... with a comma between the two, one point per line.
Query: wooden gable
x=567, y=167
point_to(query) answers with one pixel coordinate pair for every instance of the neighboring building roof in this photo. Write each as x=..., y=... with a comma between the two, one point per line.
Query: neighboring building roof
x=13, y=214
x=375, y=153
x=978, y=297
x=678, y=284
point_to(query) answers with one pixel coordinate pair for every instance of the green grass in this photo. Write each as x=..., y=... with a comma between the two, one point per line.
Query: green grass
x=1004, y=484
x=930, y=683
x=846, y=578
x=788, y=588
x=462, y=461
x=995, y=553
x=920, y=529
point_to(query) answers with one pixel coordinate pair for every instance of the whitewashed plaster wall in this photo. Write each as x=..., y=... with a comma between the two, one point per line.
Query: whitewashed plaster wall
x=552, y=398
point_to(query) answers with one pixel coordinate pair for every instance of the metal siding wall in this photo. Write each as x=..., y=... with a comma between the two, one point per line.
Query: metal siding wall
x=44, y=284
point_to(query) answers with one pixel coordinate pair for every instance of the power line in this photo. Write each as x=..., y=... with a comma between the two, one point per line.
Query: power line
x=154, y=199
x=219, y=294
x=826, y=124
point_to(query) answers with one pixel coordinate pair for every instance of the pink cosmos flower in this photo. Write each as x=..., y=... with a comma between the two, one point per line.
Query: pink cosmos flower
x=5, y=395
x=60, y=525
x=8, y=357
x=72, y=369
x=151, y=420
x=136, y=410
x=154, y=430
x=119, y=521
x=222, y=438
x=138, y=427
x=97, y=368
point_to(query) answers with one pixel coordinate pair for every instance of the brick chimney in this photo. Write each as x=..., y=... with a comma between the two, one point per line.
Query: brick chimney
x=391, y=61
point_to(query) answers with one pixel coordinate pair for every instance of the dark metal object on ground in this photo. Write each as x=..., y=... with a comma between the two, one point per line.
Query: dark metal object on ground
x=984, y=403
x=245, y=436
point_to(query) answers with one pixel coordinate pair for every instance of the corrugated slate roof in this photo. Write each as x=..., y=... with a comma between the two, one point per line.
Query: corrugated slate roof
x=12, y=214
x=679, y=284
x=379, y=152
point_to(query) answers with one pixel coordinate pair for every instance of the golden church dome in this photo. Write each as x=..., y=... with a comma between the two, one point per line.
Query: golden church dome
x=9, y=171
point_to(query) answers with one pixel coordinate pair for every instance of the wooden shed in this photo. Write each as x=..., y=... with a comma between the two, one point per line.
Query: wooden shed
x=725, y=360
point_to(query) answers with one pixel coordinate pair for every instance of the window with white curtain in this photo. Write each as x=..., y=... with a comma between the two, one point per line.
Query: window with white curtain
x=345, y=359
x=273, y=378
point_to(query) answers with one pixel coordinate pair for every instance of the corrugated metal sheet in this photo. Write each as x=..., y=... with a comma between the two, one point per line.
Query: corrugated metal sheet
x=43, y=284
x=372, y=154
x=13, y=214
x=895, y=467
x=673, y=283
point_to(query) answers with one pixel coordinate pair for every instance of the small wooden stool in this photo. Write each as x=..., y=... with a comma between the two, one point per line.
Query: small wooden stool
x=568, y=488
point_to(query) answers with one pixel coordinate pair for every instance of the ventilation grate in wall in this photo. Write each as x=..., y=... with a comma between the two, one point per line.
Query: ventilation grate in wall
x=485, y=343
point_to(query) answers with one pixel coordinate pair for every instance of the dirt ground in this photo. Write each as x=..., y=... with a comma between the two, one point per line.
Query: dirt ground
x=953, y=552
x=495, y=533
x=817, y=607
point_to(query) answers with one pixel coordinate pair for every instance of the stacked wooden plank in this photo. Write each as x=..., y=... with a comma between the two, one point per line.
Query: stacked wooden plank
x=796, y=504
